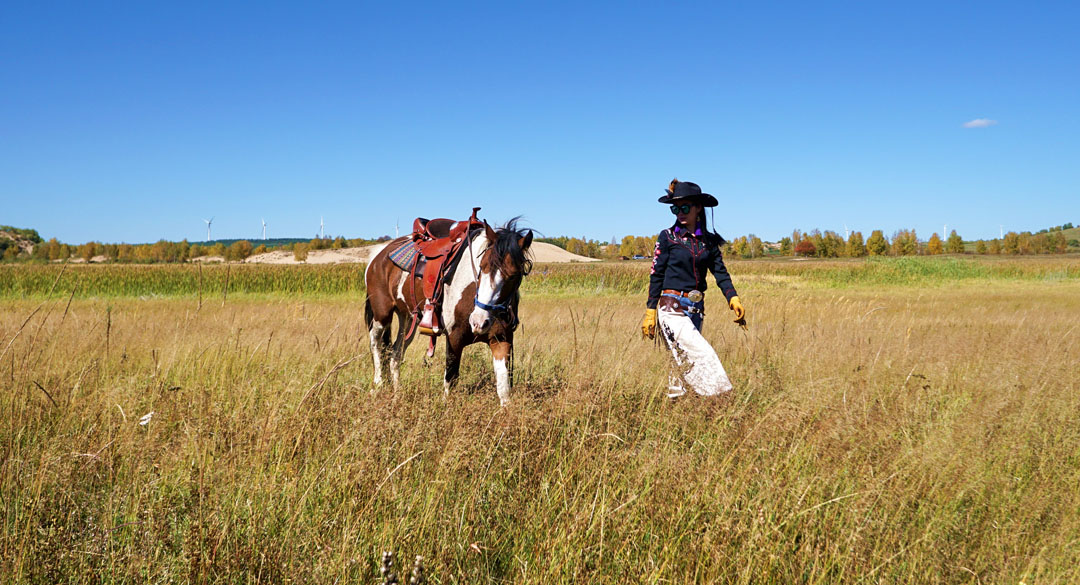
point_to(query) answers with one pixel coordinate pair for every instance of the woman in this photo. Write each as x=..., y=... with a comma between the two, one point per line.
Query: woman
x=684, y=253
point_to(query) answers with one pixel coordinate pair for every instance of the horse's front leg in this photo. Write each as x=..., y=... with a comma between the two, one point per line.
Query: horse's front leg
x=500, y=355
x=453, y=366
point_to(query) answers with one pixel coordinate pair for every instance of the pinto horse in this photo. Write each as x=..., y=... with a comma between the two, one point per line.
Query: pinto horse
x=479, y=303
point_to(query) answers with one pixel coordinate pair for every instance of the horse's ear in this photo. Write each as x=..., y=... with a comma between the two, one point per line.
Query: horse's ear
x=524, y=242
x=490, y=233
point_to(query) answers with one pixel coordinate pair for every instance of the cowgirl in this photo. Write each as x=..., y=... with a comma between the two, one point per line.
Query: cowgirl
x=683, y=254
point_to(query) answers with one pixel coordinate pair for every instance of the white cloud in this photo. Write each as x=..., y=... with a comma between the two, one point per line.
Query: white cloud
x=980, y=123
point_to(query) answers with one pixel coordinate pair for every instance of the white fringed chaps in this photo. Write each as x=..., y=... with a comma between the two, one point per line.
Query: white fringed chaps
x=696, y=362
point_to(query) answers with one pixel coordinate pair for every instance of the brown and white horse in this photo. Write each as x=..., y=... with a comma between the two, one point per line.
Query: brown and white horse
x=479, y=304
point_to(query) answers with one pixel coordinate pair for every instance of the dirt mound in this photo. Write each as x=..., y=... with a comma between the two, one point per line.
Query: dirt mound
x=541, y=252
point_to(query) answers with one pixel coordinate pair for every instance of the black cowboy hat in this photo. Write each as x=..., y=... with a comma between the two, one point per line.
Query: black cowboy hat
x=687, y=190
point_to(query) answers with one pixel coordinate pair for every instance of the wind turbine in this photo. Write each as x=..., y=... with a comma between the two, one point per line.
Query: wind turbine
x=322, y=234
x=264, y=228
x=208, y=222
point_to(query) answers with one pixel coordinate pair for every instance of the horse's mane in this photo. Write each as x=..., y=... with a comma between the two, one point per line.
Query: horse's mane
x=506, y=245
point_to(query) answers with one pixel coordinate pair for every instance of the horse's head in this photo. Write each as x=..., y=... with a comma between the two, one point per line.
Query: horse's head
x=503, y=264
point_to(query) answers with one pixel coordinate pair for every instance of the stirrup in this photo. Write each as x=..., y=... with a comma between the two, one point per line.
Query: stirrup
x=429, y=323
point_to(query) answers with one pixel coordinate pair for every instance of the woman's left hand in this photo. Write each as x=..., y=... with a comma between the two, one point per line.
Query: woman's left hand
x=736, y=305
x=740, y=312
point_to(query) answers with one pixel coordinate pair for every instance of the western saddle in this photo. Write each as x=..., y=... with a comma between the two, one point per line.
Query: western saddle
x=439, y=242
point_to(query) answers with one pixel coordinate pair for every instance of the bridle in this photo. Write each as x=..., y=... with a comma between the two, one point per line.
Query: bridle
x=496, y=309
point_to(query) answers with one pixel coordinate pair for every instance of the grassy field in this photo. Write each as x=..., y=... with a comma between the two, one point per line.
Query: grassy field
x=898, y=421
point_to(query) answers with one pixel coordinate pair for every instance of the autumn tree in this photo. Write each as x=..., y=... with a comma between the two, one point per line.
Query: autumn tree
x=300, y=251
x=757, y=249
x=855, y=246
x=877, y=245
x=905, y=243
x=980, y=247
x=1011, y=244
x=934, y=246
x=240, y=250
x=786, y=247
x=805, y=248
x=955, y=244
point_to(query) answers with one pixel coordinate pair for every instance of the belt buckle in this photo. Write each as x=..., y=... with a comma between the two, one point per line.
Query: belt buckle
x=695, y=296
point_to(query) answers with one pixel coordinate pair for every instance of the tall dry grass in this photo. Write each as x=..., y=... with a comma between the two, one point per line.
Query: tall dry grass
x=876, y=435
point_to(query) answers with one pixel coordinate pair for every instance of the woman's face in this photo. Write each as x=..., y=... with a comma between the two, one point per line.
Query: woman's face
x=689, y=217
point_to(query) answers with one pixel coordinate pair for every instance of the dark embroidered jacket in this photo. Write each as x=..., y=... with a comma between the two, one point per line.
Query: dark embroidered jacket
x=681, y=261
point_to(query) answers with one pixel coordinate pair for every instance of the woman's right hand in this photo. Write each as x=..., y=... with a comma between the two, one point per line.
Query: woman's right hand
x=648, y=324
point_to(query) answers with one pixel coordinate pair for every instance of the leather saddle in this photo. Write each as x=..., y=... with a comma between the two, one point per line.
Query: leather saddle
x=439, y=241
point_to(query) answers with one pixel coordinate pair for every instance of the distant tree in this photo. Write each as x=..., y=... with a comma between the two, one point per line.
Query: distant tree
x=757, y=249
x=300, y=251
x=1067, y=226
x=626, y=247
x=855, y=246
x=805, y=248
x=260, y=249
x=644, y=245
x=832, y=245
x=740, y=247
x=955, y=244
x=240, y=250
x=217, y=249
x=980, y=247
x=86, y=251
x=995, y=246
x=933, y=245
x=877, y=245
x=1011, y=245
x=905, y=243
x=339, y=243
x=1060, y=243
x=786, y=247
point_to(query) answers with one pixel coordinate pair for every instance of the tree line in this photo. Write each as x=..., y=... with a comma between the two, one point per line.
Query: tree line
x=165, y=251
x=830, y=244
x=815, y=243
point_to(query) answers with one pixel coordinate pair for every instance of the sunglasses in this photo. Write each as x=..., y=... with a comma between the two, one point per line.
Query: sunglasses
x=684, y=208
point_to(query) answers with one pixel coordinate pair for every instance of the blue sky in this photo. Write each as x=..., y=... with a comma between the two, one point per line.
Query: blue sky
x=134, y=121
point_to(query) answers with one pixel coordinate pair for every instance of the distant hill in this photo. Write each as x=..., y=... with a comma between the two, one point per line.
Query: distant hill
x=23, y=240
x=269, y=242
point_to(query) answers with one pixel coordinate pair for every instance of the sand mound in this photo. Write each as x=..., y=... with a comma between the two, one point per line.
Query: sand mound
x=541, y=253
x=544, y=252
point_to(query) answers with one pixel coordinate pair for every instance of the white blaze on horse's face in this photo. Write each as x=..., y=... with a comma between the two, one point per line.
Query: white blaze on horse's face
x=488, y=292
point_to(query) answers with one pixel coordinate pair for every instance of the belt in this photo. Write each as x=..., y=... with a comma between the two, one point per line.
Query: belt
x=686, y=295
x=683, y=304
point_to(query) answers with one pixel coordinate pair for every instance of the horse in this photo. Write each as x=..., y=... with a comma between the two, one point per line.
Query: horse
x=479, y=303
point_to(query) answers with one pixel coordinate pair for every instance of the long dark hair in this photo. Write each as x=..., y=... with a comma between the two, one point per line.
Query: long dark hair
x=507, y=245
x=703, y=225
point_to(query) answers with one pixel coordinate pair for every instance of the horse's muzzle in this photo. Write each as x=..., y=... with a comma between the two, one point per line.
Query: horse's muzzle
x=480, y=321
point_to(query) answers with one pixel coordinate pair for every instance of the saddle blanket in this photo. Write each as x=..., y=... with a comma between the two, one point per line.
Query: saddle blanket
x=404, y=256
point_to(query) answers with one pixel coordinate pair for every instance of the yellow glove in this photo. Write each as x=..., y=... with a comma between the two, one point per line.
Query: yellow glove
x=740, y=312
x=648, y=324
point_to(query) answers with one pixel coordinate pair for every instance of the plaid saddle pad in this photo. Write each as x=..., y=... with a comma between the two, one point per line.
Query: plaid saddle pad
x=405, y=255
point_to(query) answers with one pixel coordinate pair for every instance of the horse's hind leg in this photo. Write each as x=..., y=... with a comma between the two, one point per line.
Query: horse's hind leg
x=379, y=337
x=401, y=343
